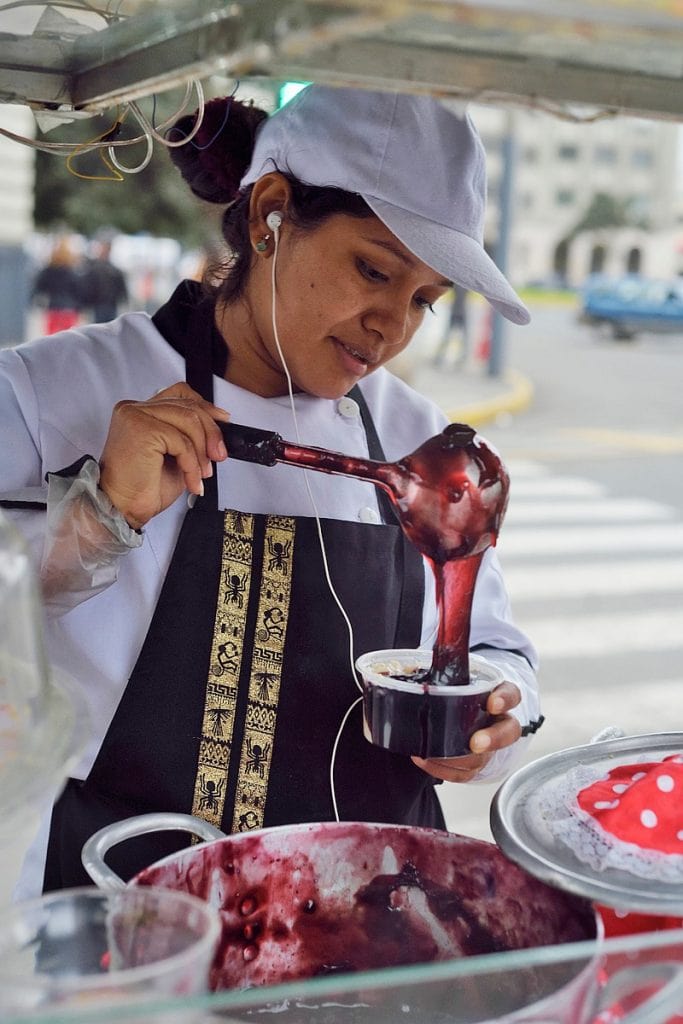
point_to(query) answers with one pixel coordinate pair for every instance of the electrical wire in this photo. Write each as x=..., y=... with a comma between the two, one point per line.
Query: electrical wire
x=115, y=174
x=156, y=133
x=321, y=540
x=107, y=142
x=145, y=160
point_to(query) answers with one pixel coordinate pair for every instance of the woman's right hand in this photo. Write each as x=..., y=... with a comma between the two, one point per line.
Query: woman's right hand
x=157, y=449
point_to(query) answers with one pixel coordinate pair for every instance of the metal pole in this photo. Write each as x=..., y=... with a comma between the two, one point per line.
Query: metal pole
x=496, y=361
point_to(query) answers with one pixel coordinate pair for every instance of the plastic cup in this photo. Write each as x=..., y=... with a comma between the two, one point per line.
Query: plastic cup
x=80, y=949
x=418, y=719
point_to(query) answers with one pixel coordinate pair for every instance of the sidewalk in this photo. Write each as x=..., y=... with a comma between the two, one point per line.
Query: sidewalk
x=466, y=391
x=468, y=394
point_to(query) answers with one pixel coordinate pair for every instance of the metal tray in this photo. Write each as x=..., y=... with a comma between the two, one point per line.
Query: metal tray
x=524, y=837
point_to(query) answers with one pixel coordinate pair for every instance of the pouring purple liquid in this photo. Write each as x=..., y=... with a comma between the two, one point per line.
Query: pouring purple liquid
x=450, y=497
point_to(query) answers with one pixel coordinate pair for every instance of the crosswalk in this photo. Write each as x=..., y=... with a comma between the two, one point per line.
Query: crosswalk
x=596, y=580
x=590, y=574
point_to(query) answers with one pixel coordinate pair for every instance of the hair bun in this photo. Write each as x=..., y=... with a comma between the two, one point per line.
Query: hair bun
x=214, y=161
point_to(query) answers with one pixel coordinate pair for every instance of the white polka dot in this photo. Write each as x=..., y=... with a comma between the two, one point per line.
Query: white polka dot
x=679, y=835
x=605, y=805
x=620, y=787
x=638, y=775
x=648, y=819
x=665, y=783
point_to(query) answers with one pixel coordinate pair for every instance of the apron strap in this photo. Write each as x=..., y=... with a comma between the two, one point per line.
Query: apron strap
x=375, y=451
x=199, y=375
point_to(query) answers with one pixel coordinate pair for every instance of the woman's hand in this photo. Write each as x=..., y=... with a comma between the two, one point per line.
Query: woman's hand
x=157, y=449
x=505, y=731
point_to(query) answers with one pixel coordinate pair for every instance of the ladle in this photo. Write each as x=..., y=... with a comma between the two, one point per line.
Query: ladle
x=450, y=497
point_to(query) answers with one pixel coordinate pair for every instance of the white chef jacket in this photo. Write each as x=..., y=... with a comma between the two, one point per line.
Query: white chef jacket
x=56, y=400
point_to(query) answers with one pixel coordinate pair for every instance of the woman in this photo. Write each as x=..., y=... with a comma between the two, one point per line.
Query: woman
x=211, y=642
x=59, y=287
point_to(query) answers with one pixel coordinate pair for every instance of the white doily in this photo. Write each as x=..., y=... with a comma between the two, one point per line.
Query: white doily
x=558, y=807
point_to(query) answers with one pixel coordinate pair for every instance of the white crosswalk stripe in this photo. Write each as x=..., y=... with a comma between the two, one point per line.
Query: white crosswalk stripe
x=582, y=636
x=565, y=579
x=587, y=511
x=552, y=540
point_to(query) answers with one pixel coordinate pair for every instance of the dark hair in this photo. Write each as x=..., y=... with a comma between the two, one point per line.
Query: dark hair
x=214, y=161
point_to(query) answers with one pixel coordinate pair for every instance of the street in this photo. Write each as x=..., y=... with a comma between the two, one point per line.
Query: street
x=592, y=545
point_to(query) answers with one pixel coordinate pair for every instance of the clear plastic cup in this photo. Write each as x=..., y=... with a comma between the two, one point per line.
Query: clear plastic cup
x=80, y=949
x=417, y=719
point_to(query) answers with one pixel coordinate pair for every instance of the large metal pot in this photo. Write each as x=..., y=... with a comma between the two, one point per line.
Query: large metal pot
x=308, y=900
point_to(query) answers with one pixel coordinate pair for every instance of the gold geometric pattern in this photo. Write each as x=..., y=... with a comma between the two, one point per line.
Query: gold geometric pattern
x=266, y=672
x=224, y=668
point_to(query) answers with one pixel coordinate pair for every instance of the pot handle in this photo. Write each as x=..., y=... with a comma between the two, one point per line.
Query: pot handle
x=658, y=1007
x=100, y=842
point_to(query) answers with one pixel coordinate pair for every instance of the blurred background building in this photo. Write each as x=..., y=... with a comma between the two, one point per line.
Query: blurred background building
x=590, y=197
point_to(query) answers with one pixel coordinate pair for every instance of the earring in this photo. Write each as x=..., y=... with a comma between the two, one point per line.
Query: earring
x=263, y=244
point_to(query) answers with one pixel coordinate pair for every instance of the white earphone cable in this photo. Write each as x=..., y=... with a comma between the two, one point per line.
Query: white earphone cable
x=328, y=577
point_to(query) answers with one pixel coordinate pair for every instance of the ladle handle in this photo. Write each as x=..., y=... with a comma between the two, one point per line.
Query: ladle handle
x=251, y=444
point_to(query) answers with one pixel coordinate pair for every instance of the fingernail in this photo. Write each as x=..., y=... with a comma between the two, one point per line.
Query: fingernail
x=201, y=488
x=497, y=705
x=480, y=742
x=208, y=471
x=222, y=450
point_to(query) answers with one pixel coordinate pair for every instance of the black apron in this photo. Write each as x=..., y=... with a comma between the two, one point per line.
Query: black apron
x=233, y=706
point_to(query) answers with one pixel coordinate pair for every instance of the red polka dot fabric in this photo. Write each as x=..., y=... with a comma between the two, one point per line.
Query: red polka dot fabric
x=640, y=804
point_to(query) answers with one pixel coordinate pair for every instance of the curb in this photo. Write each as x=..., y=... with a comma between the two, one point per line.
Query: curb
x=517, y=398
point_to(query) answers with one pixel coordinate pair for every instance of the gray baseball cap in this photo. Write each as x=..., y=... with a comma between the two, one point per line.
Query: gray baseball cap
x=420, y=167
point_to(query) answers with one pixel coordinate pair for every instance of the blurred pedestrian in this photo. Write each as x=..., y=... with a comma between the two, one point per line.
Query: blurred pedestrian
x=454, y=338
x=105, y=284
x=58, y=288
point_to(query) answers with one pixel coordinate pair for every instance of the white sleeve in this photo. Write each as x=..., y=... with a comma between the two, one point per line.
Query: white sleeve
x=20, y=461
x=76, y=544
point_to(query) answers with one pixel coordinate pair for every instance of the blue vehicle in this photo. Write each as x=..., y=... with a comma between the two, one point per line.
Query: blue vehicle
x=633, y=304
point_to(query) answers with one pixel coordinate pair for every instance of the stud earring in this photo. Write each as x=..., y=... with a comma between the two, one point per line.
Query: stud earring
x=263, y=244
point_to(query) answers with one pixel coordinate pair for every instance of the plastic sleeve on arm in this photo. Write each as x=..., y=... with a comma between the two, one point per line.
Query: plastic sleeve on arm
x=85, y=538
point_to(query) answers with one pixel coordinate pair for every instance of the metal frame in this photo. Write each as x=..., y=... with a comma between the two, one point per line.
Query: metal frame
x=615, y=55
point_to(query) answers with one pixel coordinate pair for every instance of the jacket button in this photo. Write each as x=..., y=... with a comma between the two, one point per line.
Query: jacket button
x=368, y=515
x=348, y=408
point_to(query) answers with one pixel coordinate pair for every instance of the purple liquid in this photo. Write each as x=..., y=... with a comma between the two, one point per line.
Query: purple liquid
x=289, y=912
x=450, y=497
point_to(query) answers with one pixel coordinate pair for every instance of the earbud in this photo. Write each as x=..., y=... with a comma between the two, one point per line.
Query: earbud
x=274, y=220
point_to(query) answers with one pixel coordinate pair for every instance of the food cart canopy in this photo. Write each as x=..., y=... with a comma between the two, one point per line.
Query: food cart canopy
x=619, y=56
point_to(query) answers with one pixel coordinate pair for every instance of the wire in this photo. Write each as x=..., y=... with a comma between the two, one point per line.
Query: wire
x=321, y=540
x=334, y=755
x=107, y=142
x=145, y=160
x=106, y=137
x=163, y=139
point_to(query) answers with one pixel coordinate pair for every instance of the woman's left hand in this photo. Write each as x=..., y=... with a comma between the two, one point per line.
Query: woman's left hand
x=505, y=731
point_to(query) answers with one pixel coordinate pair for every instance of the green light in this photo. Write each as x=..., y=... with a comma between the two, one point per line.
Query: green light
x=288, y=91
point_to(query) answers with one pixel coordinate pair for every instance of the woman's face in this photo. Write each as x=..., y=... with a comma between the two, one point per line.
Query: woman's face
x=349, y=296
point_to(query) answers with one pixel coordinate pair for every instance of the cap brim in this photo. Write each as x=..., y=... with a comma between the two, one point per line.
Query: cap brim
x=457, y=256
